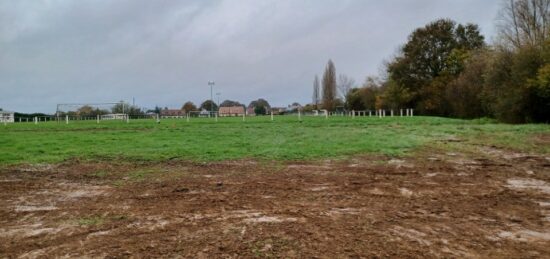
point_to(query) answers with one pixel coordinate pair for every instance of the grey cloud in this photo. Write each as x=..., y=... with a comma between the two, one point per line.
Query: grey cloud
x=164, y=52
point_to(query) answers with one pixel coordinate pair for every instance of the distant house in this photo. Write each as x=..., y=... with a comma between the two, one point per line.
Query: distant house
x=278, y=110
x=7, y=117
x=231, y=111
x=172, y=113
x=204, y=113
x=294, y=108
x=250, y=111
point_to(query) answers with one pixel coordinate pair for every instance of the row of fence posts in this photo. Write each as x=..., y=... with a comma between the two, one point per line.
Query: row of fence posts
x=35, y=120
x=382, y=113
x=377, y=113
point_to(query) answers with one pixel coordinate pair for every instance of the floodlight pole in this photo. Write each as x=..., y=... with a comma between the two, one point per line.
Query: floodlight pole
x=211, y=84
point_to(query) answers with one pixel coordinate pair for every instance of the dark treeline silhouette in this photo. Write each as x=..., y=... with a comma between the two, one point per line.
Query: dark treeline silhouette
x=447, y=69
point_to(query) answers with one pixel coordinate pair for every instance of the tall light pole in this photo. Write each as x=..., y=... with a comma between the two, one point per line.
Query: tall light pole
x=211, y=84
x=218, y=94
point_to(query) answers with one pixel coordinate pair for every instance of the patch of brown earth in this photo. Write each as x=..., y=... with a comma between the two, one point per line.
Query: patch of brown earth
x=444, y=205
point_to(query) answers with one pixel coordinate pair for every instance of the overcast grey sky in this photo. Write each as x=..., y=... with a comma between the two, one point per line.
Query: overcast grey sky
x=164, y=52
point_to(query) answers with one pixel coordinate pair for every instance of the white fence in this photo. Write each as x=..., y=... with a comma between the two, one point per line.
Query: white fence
x=381, y=113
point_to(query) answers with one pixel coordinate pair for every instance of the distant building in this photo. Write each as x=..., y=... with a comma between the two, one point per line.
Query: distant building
x=7, y=117
x=231, y=111
x=294, y=108
x=250, y=111
x=204, y=113
x=278, y=110
x=172, y=113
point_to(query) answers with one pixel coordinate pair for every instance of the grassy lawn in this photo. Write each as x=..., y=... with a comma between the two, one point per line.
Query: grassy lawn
x=203, y=139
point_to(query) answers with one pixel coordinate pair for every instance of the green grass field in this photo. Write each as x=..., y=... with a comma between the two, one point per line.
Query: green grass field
x=203, y=139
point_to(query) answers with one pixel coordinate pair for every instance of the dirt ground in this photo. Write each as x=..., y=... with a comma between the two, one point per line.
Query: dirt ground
x=494, y=203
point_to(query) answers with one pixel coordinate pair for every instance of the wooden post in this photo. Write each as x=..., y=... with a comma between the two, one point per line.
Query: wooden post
x=412, y=112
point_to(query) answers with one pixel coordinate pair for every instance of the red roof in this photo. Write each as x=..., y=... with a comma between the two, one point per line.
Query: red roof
x=231, y=110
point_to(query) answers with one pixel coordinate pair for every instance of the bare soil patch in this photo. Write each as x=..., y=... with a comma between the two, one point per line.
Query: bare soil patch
x=444, y=205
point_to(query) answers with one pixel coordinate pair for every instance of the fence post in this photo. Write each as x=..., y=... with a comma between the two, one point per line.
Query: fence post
x=411, y=112
x=391, y=112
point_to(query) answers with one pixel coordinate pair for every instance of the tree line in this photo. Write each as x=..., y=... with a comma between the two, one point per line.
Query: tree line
x=260, y=106
x=447, y=69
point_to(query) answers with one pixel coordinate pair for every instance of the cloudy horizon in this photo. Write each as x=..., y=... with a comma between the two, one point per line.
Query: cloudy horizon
x=164, y=53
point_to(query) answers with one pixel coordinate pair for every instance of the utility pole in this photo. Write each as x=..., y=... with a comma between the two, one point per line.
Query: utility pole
x=211, y=84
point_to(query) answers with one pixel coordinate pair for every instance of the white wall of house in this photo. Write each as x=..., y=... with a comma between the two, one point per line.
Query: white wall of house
x=7, y=117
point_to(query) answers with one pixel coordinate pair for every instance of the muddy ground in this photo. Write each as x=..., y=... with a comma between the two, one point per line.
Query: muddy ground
x=493, y=203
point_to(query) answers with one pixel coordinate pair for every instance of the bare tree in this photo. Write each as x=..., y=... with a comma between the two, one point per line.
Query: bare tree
x=525, y=22
x=345, y=84
x=329, y=86
x=316, y=93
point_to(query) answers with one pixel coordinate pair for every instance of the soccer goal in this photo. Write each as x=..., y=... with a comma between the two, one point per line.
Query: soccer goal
x=91, y=111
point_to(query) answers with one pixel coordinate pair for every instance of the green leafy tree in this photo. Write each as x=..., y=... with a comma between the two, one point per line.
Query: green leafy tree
x=209, y=104
x=395, y=96
x=230, y=103
x=465, y=92
x=260, y=110
x=126, y=108
x=260, y=103
x=354, y=100
x=432, y=57
x=189, y=107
